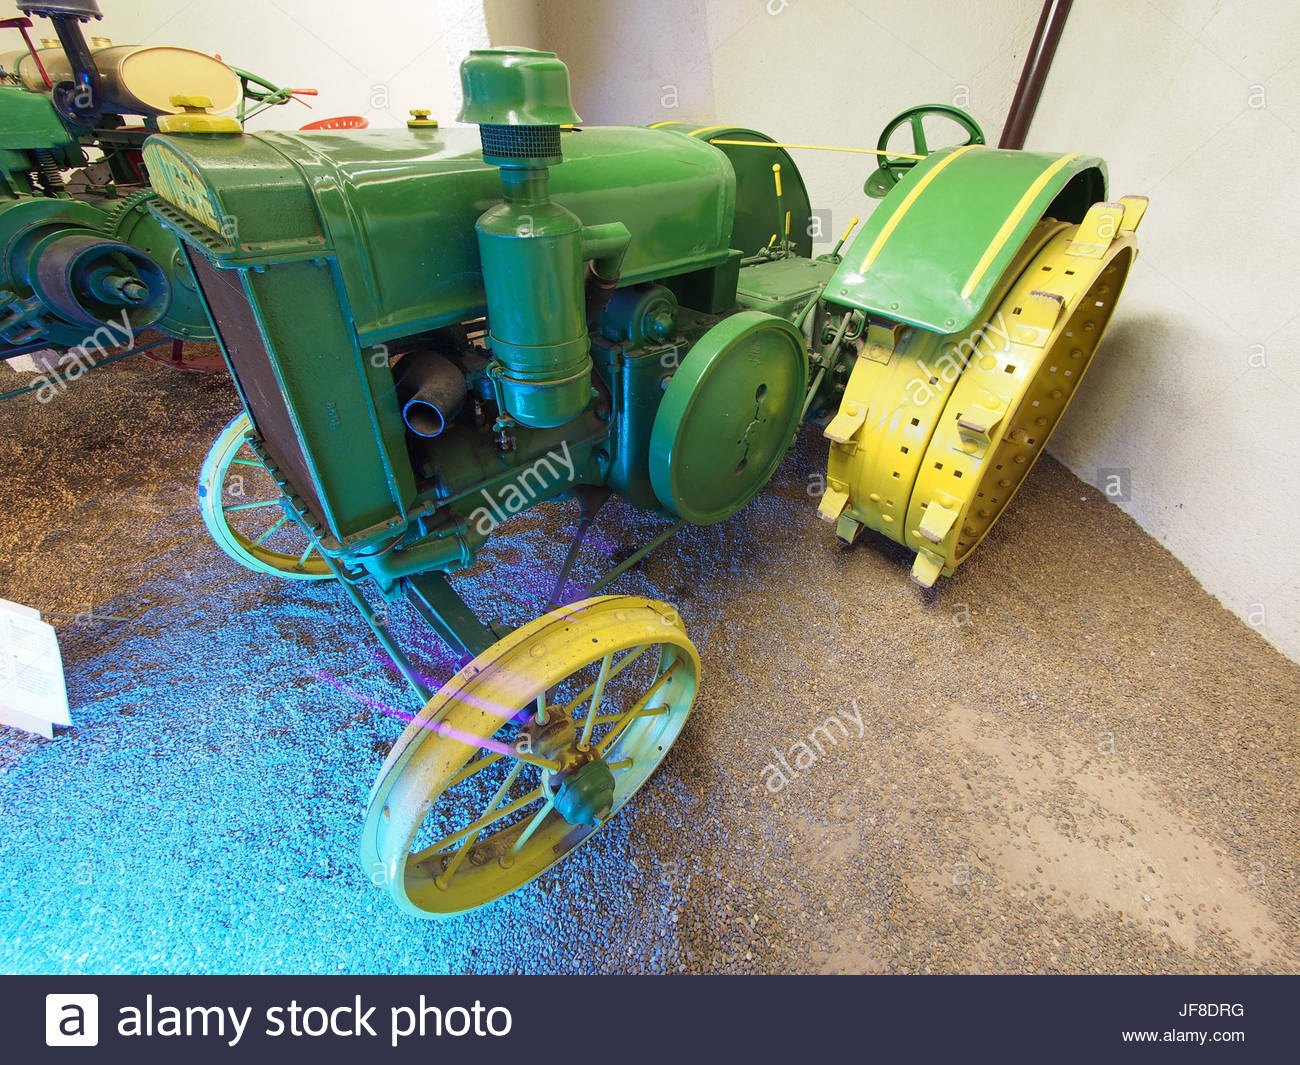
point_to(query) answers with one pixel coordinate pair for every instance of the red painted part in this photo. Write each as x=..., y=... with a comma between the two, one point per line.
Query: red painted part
x=179, y=359
x=22, y=25
x=338, y=122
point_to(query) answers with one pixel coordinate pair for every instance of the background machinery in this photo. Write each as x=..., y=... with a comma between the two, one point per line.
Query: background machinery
x=82, y=260
x=434, y=328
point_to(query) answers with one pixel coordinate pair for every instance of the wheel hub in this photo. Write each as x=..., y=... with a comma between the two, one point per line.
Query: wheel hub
x=582, y=792
x=586, y=796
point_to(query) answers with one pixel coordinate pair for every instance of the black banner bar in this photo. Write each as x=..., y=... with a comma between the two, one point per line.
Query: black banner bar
x=634, y=1019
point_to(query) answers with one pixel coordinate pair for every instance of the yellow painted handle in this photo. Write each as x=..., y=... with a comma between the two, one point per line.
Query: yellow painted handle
x=776, y=173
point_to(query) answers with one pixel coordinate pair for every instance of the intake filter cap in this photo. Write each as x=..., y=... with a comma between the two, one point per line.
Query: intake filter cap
x=519, y=98
x=728, y=416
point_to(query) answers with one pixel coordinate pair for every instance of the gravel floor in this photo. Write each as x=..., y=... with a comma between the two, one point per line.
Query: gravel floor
x=1067, y=759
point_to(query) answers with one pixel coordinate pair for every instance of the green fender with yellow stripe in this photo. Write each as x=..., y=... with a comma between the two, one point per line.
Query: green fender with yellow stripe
x=932, y=253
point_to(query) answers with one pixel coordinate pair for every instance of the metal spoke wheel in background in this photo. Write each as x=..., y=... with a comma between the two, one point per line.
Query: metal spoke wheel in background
x=525, y=753
x=240, y=504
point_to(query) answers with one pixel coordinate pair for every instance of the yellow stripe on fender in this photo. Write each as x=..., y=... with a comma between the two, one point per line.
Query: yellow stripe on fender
x=1013, y=220
x=905, y=206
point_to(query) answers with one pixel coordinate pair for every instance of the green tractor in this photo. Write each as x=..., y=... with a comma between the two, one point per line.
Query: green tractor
x=433, y=329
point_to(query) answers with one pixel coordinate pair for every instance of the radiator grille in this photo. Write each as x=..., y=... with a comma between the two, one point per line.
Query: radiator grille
x=237, y=329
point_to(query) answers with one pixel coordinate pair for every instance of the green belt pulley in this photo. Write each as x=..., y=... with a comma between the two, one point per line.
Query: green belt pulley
x=130, y=222
x=728, y=416
x=72, y=270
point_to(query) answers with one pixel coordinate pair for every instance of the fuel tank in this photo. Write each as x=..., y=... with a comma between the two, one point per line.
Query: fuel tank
x=396, y=209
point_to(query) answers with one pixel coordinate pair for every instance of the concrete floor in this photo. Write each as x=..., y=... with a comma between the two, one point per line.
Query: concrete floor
x=1070, y=758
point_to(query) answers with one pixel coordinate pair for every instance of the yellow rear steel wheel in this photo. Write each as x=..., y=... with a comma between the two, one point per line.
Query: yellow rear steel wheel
x=1008, y=402
x=935, y=434
x=484, y=791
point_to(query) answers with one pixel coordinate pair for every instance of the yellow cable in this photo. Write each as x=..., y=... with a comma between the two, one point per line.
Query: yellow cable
x=815, y=147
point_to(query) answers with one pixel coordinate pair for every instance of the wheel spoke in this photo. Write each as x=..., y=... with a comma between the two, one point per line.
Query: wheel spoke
x=606, y=719
x=487, y=744
x=567, y=709
x=302, y=561
x=918, y=135
x=585, y=742
x=533, y=826
x=245, y=462
x=478, y=826
x=485, y=820
x=476, y=766
x=271, y=531
x=636, y=709
x=251, y=506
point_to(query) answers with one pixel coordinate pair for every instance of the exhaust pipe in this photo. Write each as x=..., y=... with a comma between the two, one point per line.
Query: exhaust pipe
x=432, y=391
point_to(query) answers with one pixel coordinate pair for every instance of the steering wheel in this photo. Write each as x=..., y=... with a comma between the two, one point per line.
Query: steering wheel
x=892, y=169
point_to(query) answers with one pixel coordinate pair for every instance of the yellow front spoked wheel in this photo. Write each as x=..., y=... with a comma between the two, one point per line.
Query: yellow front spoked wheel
x=934, y=435
x=524, y=754
x=240, y=505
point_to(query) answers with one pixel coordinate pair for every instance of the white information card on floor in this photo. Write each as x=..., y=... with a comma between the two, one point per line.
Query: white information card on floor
x=32, y=693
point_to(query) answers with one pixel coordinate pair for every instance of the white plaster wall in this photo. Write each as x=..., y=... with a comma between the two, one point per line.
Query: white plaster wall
x=378, y=59
x=1196, y=391
x=1195, y=395
x=810, y=71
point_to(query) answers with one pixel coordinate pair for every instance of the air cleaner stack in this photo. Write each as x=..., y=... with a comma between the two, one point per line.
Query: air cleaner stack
x=533, y=250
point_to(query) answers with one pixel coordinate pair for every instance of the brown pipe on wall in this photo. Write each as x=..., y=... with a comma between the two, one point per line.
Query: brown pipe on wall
x=1051, y=23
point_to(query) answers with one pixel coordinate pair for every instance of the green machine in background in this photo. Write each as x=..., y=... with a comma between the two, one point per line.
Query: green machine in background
x=82, y=260
x=432, y=329
x=72, y=264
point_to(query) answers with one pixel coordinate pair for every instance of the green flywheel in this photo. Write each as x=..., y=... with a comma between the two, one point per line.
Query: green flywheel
x=728, y=416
